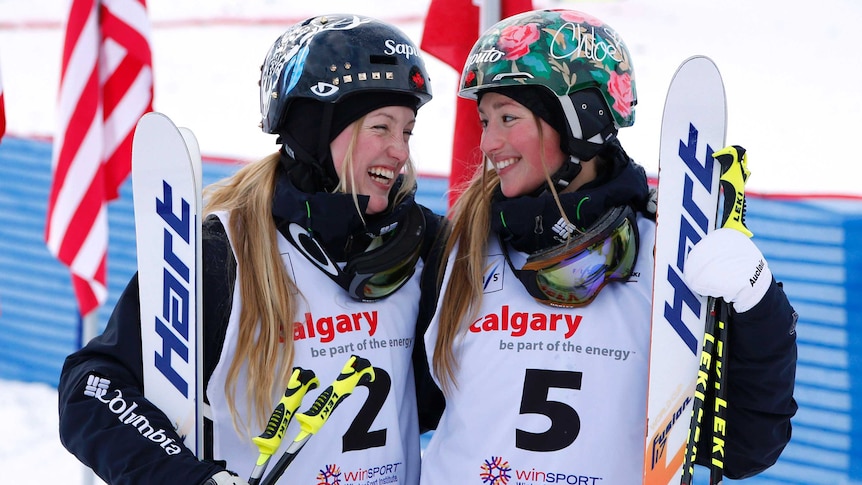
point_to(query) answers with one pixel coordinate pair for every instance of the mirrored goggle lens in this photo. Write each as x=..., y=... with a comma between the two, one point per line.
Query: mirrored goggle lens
x=576, y=279
x=385, y=282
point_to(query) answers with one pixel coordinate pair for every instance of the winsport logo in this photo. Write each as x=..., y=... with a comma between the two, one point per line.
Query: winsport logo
x=495, y=471
x=498, y=471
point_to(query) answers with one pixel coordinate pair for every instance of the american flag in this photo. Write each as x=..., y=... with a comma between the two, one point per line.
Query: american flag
x=106, y=85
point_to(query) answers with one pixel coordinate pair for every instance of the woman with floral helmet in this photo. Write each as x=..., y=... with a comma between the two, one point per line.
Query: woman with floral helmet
x=541, y=334
x=312, y=261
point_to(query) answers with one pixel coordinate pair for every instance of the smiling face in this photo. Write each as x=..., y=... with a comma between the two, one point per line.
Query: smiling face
x=511, y=140
x=369, y=164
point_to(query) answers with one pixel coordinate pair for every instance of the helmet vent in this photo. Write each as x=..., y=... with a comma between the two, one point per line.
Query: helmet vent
x=513, y=75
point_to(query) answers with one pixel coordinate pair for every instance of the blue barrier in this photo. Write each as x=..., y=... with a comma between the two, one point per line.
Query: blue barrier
x=809, y=242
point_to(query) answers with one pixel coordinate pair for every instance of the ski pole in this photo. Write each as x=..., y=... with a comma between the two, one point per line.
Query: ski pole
x=734, y=174
x=356, y=371
x=301, y=381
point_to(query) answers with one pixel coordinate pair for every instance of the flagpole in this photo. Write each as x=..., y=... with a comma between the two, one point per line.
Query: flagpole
x=450, y=33
x=89, y=326
x=489, y=14
x=88, y=331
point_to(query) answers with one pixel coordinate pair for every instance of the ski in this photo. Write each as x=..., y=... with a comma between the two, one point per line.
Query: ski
x=693, y=126
x=166, y=185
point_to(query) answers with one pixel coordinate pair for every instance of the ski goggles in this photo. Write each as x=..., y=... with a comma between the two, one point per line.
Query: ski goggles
x=382, y=269
x=573, y=273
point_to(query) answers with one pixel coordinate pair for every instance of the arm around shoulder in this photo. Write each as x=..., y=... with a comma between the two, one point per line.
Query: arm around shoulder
x=429, y=397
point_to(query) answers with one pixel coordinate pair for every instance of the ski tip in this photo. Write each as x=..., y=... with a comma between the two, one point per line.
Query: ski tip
x=700, y=62
x=154, y=117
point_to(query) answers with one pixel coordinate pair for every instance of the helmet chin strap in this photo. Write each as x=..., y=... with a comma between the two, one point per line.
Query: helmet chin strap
x=572, y=167
x=566, y=173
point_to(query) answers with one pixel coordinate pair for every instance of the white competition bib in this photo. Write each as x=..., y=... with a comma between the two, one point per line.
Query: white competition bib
x=373, y=434
x=547, y=394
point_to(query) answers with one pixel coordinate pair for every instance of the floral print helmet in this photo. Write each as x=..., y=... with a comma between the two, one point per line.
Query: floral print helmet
x=563, y=50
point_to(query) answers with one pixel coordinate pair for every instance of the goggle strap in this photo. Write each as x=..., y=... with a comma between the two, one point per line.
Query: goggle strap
x=527, y=278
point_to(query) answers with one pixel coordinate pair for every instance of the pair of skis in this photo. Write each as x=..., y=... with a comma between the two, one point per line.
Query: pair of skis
x=166, y=184
x=689, y=332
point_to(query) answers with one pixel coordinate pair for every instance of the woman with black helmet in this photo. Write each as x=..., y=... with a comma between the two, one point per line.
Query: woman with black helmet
x=310, y=256
x=541, y=335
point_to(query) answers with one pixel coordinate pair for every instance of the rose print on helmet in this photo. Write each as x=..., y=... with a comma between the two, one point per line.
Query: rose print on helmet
x=621, y=88
x=515, y=40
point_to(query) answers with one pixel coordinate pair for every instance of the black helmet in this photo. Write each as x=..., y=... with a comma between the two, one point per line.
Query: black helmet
x=330, y=57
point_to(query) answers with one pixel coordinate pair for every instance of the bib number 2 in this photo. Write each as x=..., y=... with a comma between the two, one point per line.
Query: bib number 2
x=359, y=436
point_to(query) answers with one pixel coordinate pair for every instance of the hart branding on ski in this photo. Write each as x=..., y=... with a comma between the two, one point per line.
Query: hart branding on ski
x=166, y=182
x=693, y=126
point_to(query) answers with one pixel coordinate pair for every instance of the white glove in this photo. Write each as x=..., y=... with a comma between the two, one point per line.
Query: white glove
x=727, y=264
x=225, y=477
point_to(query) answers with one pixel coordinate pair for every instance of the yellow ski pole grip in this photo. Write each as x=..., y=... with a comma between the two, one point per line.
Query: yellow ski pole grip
x=301, y=381
x=356, y=371
x=734, y=173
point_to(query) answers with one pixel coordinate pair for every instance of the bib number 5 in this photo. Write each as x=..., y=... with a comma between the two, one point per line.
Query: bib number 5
x=565, y=422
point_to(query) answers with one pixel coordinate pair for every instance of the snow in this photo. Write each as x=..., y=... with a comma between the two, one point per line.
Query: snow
x=790, y=71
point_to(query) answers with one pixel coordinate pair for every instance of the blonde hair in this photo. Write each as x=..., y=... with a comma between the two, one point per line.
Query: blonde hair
x=268, y=303
x=268, y=294
x=470, y=230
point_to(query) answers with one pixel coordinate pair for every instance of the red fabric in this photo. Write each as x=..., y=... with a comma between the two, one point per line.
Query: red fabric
x=106, y=85
x=2, y=111
x=451, y=29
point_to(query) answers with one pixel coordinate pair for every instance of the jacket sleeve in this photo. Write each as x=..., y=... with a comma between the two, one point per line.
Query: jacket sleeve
x=428, y=396
x=761, y=372
x=104, y=419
